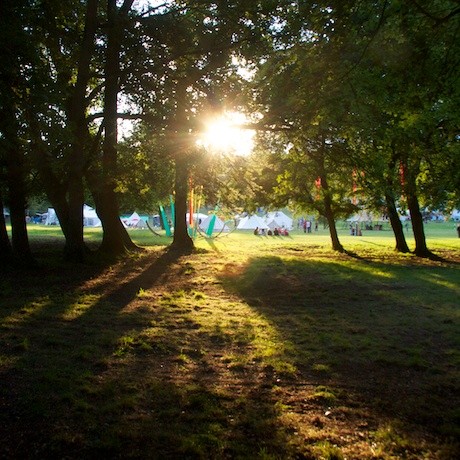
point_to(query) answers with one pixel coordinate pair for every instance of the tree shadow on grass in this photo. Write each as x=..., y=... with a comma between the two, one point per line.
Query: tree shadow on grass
x=381, y=337
x=120, y=366
x=54, y=343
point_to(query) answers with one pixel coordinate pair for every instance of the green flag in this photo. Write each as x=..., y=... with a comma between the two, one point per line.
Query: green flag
x=165, y=221
x=211, y=225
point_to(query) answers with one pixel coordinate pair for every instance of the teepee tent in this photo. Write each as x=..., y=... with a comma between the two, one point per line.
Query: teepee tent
x=133, y=220
x=51, y=217
x=272, y=224
x=252, y=222
x=90, y=217
x=219, y=225
x=278, y=219
x=197, y=216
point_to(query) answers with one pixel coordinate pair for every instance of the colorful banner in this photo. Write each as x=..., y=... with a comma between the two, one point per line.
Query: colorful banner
x=211, y=225
x=165, y=221
x=173, y=211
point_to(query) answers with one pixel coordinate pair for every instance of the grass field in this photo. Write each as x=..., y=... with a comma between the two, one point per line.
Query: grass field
x=249, y=348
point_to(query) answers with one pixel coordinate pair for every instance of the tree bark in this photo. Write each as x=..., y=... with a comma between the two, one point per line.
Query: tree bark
x=115, y=240
x=327, y=200
x=396, y=224
x=15, y=181
x=410, y=189
x=17, y=201
x=329, y=214
x=181, y=241
x=55, y=187
x=421, y=249
x=5, y=245
x=75, y=248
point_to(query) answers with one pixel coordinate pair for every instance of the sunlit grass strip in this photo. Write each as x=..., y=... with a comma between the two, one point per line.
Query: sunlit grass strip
x=29, y=310
x=249, y=336
x=77, y=307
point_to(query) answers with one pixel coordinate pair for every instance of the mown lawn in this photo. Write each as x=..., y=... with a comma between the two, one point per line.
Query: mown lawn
x=251, y=347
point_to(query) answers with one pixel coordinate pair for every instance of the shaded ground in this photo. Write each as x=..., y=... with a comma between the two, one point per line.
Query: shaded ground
x=261, y=354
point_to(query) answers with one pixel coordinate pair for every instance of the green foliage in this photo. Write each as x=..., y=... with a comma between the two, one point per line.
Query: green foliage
x=146, y=172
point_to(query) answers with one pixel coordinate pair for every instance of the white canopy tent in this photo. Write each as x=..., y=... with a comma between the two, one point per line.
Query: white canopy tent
x=135, y=220
x=251, y=223
x=219, y=225
x=51, y=217
x=279, y=220
x=197, y=216
x=273, y=224
x=90, y=217
x=364, y=216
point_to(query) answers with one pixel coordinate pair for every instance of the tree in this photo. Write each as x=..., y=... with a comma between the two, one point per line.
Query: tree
x=5, y=245
x=387, y=57
x=193, y=43
x=16, y=53
x=115, y=238
x=412, y=86
x=57, y=106
x=300, y=95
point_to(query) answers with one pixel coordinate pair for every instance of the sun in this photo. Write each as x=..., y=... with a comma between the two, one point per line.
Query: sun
x=226, y=134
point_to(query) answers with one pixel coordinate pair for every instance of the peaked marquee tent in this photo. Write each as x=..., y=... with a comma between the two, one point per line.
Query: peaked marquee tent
x=278, y=219
x=51, y=217
x=219, y=225
x=90, y=217
x=251, y=223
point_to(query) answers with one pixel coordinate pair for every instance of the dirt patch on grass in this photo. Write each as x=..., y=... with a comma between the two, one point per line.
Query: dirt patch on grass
x=209, y=356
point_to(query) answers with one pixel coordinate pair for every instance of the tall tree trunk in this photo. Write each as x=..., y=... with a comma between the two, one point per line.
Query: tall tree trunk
x=396, y=224
x=421, y=249
x=410, y=189
x=15, y=181
x=327, y=199
x=75, y=248
x=5, y=245
x=329, y=214
x=17, y=201
x=101, y=201
x=182, y=240
x=115, y=240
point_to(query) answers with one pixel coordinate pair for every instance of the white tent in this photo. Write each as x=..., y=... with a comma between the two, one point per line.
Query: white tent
x=363, y=216
x=51, y=218
x=135, y=220
x=219, y=225
x=252, y=222
x=278, y=219
x=90, y=217
x=196, y=216
x=273, y=224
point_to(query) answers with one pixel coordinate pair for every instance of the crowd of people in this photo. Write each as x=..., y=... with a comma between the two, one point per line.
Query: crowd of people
x=269, y=232
x=307, y=225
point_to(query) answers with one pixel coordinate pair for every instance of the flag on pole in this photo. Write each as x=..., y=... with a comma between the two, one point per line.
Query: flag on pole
x=165, y=221
x=211, y=225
